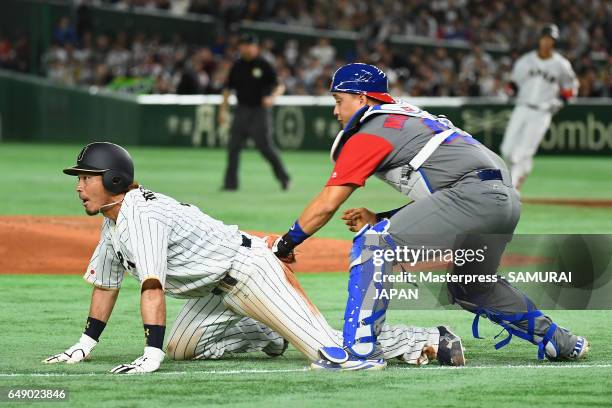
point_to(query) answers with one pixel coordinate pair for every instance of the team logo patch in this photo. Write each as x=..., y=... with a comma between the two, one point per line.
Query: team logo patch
x=148, y=194
x=92, y=272
x=395, y=121
x=363, y=76
x=257, y=72
x=82, y=153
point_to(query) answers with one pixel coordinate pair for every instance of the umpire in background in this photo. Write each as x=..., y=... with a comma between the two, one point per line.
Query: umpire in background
x=256, y=86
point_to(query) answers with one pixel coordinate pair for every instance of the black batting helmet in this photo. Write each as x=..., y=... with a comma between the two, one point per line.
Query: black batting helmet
x=550, y=30
x=112, y=161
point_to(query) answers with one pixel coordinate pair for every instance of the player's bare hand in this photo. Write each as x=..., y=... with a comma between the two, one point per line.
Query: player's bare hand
x=147, y=363
x=273, y=243
x=74, y=354
x=356, y=218
x=267, y=101
x=270, y=239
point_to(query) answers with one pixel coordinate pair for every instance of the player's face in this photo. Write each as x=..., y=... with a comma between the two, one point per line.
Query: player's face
x=346, y=105
x=91, y=192
x=546, y=43
x=248, y=51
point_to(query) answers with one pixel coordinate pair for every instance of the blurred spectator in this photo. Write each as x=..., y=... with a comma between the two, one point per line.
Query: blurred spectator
x=118, y=57
x=323, y=51
x=7, y=53
x=187, y=81
x=64, y=32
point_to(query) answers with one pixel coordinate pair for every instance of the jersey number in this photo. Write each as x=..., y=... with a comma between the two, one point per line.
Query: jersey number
x=148, y=194
x=126, y=264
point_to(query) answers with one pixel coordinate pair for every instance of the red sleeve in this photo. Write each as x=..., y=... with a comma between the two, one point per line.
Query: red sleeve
x=358, y=159
x=567, y=93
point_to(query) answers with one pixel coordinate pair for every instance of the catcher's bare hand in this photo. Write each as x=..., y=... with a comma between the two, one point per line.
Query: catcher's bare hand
x=272, y=242
x=74, y=354
x=356, y=218
x=147, y=363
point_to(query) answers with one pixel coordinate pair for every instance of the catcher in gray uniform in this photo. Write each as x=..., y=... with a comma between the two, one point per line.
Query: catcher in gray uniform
x=459, y=189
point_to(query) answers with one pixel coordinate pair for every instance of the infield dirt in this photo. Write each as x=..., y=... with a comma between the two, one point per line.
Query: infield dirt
x=64, y=244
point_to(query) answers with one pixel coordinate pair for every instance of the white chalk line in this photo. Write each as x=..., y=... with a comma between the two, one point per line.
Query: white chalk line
x=412, y=369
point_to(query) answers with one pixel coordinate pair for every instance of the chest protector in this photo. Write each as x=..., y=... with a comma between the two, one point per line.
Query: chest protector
x=408, y=179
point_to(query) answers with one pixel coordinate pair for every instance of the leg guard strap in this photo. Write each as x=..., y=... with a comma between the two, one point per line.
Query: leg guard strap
x=506, y=320
x=547, y=338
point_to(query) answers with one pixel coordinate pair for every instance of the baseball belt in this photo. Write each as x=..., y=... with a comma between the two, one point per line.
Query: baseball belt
x=227, y=283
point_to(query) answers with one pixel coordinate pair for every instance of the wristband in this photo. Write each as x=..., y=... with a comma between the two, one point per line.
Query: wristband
x=154, y=335
x=94, y=328
x=296, y=234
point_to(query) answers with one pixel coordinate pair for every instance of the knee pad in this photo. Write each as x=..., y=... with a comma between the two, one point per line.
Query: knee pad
x=365, y=313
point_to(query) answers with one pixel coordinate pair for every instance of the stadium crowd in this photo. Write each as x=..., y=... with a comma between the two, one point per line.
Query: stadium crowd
x=14, y=53
x=157, y=64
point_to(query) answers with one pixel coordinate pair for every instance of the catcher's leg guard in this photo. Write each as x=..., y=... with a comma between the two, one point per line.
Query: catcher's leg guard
x=528, y=322
x=365, y=312
x=500, y=302
x=514, y=324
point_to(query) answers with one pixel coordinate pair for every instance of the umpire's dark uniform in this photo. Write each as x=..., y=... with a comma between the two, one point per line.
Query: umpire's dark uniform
x=252, y=79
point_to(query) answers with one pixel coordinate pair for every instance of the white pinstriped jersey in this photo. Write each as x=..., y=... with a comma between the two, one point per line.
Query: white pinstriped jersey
x=540, y=80
x=155, y=236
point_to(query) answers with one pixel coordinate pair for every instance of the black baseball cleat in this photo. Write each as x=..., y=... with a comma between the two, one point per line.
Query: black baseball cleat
x=450, y=348
x=285, y=184
x=277, y=353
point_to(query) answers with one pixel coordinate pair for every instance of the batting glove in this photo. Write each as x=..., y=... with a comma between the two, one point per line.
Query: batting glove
x=147, y=363
x=282, y=249
x=74, y=354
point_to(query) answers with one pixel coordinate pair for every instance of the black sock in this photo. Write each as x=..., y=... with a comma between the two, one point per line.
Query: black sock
x=94, y=328
x=154, y=334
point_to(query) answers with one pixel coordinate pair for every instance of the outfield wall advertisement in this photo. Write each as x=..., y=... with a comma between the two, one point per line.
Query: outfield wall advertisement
x=33, y=109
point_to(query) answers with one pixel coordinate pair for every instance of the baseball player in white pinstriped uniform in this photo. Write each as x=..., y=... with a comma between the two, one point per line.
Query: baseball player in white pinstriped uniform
x=545, y=81
x=241, y=297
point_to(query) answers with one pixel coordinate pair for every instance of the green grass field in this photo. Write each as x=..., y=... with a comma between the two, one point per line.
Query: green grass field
x=44, y=314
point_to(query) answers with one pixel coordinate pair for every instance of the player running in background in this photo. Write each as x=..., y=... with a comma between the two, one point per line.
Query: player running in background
x=458, y=187
x=241, y=297
x=545, y=82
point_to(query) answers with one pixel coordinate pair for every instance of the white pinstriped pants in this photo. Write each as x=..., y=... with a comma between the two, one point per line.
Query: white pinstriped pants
x=266, y=305
x=524, y=133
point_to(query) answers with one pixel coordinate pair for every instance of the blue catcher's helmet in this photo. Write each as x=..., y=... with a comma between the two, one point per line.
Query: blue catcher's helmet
x=359, y=78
